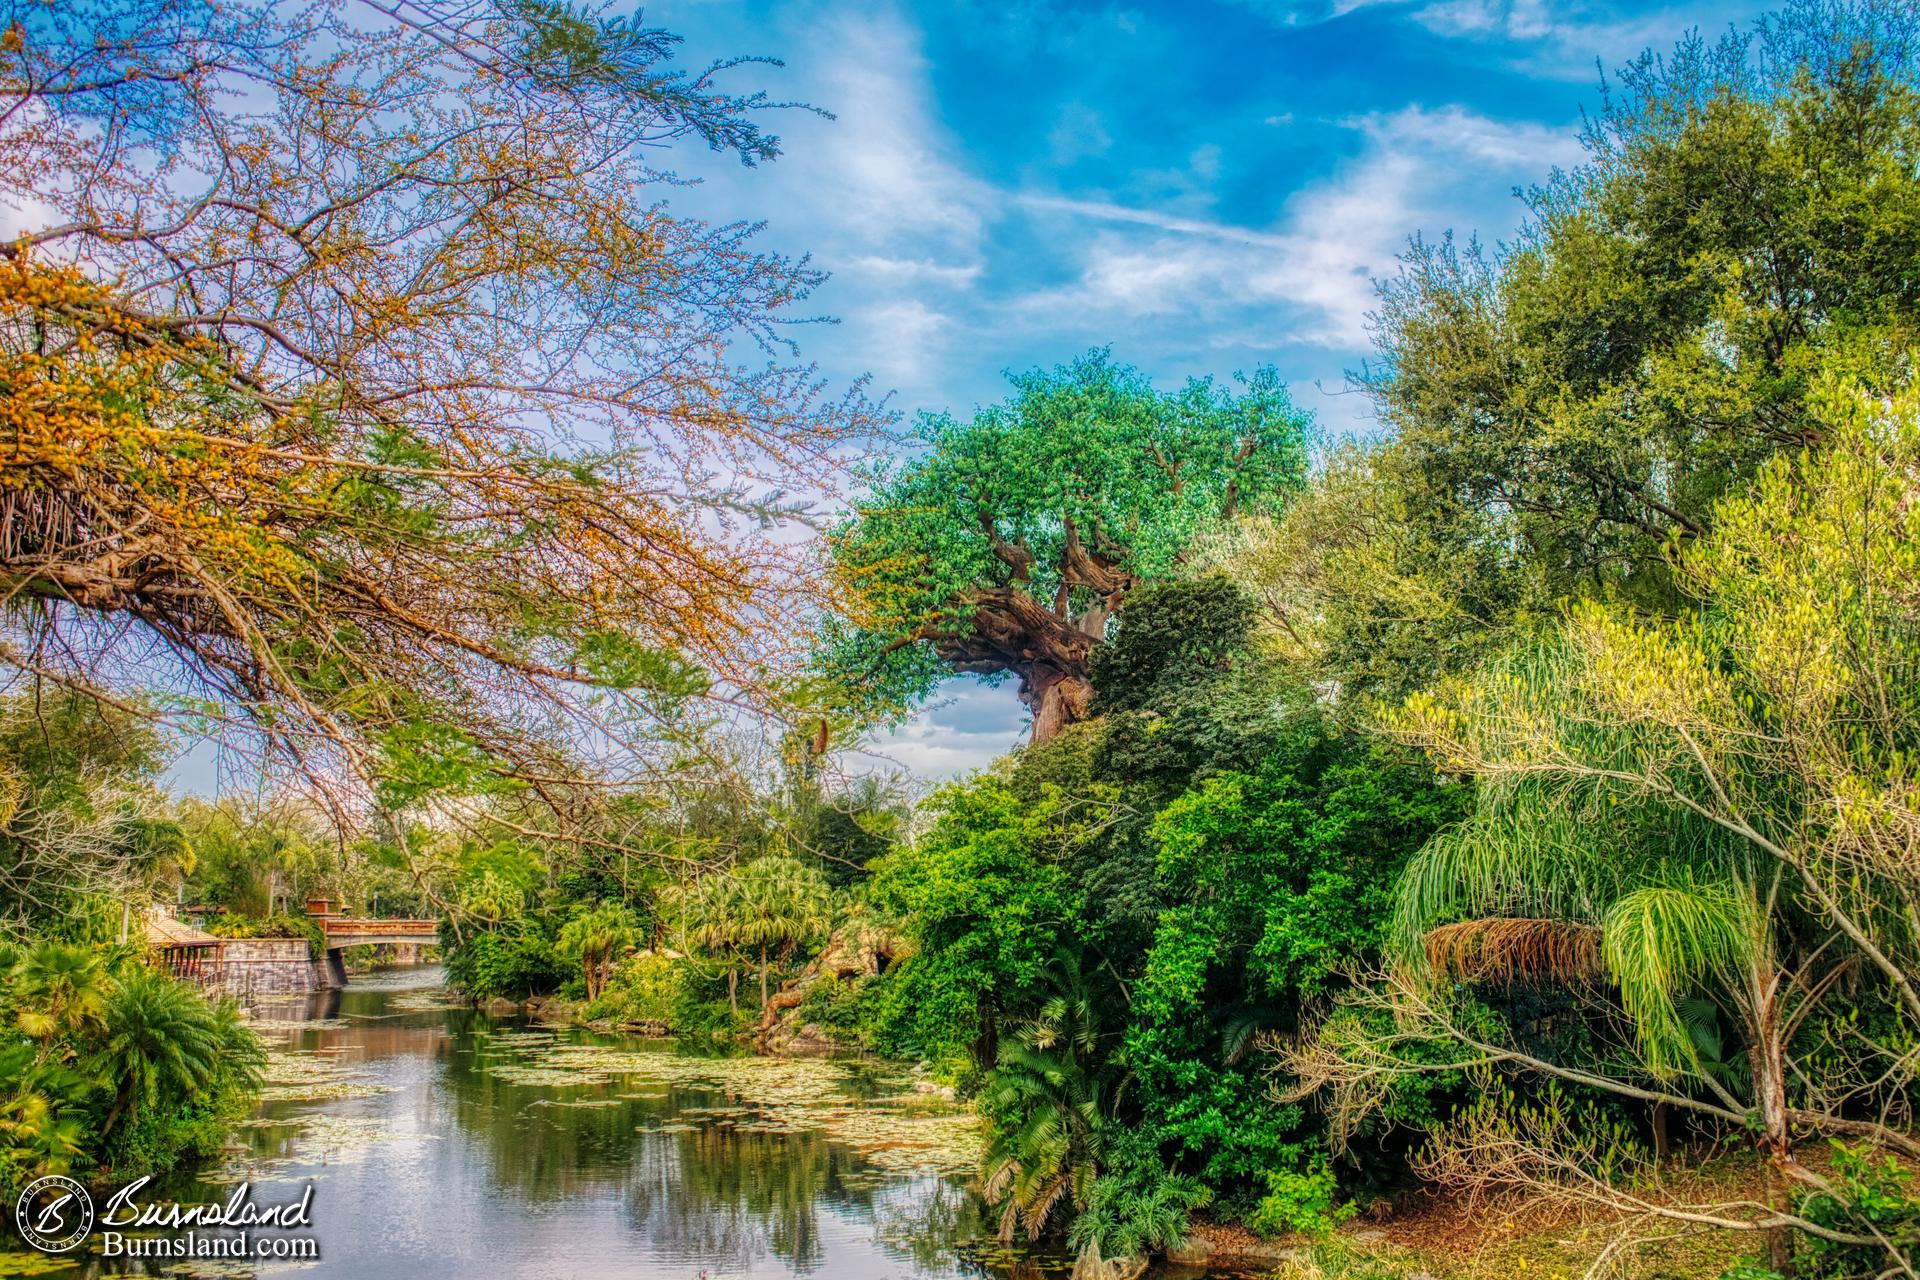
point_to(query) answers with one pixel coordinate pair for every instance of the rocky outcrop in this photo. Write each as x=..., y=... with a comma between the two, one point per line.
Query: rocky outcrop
x=857, y=950
x=1091, y=1266
x=1232, y=1248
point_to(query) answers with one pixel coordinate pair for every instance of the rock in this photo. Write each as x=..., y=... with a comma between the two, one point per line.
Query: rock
x=856, y=951
x=1091, y=1266
x=650, y=1028
x=1208, y=1245
x=500, y=1007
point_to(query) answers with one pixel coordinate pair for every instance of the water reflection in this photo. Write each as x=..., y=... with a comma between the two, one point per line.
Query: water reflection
x=452, y=1170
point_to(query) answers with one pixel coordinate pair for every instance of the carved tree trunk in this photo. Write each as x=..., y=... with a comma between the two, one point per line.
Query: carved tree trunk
x=1045, y=643
x=1057, y=699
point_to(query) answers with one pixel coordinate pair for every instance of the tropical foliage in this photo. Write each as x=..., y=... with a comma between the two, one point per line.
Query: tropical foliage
x=103, y=1061
x=1008, y=542
x=1520, y=804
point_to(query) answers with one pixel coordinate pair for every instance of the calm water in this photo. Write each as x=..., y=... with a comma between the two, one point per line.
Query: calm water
x=484, y=1153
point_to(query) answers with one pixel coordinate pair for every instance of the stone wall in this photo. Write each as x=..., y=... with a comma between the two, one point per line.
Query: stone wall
x=267, y=966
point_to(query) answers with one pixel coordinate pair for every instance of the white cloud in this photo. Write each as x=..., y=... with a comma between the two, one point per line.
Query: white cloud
x=880, y=196
x=888, y=179
x=970, y=727
x=900, y=337
x=1561, y=41
x=1312, y=270
x=914, y=269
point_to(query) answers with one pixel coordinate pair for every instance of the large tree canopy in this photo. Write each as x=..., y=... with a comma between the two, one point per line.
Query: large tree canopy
x=1007, y=544
x=356, y=360
x=1565, y=408
x=1749, y=213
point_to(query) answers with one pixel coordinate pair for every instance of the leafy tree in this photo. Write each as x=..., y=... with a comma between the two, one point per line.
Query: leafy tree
x=985, y=910
x=107, y=1063
x=1376, y=585
x=1749, y=214
x=41, y=1131
x=781, y=904
x=596, y=938
x=1007, y=545
x=254, y=856
x=1176, y=636
x=1564, y=407
x=1709, y=816
x=843, y=830
x=308, y=422
x=1275, y=884
x=85, y=837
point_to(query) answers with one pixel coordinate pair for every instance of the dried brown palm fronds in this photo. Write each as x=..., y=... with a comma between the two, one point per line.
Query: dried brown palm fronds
x=1516, y=949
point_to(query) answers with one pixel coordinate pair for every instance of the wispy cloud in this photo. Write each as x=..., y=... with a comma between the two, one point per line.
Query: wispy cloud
x=1313, y=269
x=1204, y=189
x=1559, y=40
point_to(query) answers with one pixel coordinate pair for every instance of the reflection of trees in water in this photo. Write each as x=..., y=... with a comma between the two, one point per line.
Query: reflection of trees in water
x=715, y=1193
x=929, y=1220
x=731, y=1195
x=538, y=1150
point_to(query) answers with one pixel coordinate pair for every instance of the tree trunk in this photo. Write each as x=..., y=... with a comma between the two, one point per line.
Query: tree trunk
x=787, y=998
x=120, y=1101
x=763, y=977
x=733, y=991
x=1767, y=1059
x=1013, y=632
x=1059, y=702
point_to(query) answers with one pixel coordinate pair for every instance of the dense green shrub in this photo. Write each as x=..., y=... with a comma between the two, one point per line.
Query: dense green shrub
x=277, y=926
x=106, y=1063
x=508, y=963
x=644, y=988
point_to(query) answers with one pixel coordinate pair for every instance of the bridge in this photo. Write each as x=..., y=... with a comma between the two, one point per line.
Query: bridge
x=351, y=931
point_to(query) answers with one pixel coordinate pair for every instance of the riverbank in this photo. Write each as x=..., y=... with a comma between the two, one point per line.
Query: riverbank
x=436, y=1134
x=791, y=1039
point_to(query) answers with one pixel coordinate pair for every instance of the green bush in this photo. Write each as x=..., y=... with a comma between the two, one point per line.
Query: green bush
x=703, y=1021
x=645, y=987
x=1141, y=1206
x=279, y=926
x=1302, y=1201
x=840, y=1008
x=509, y=963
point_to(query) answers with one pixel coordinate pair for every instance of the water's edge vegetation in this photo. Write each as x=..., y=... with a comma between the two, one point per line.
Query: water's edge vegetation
x=1519, y=810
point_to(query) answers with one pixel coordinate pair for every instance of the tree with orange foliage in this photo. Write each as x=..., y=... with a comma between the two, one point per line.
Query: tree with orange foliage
x=358, y=381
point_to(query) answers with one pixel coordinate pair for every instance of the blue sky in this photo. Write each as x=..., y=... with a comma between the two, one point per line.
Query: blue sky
x=1204, y=186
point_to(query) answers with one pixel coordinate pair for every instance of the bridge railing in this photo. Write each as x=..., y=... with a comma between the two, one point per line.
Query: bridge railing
x=341, y=927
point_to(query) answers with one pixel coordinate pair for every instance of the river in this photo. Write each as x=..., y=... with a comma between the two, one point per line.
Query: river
x=441, y=1142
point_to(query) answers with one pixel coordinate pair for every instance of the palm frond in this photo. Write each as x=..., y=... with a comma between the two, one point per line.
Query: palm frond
x=1503, y=949
x=1661, y=940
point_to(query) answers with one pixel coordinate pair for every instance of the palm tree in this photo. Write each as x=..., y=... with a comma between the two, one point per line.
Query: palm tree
x=36, y=1134
x=597, y=936
x=1575, y=882
x=163, y=1038
x=1053, y=1088
x=59, y=989
x=781, y=904
x=707, y=911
